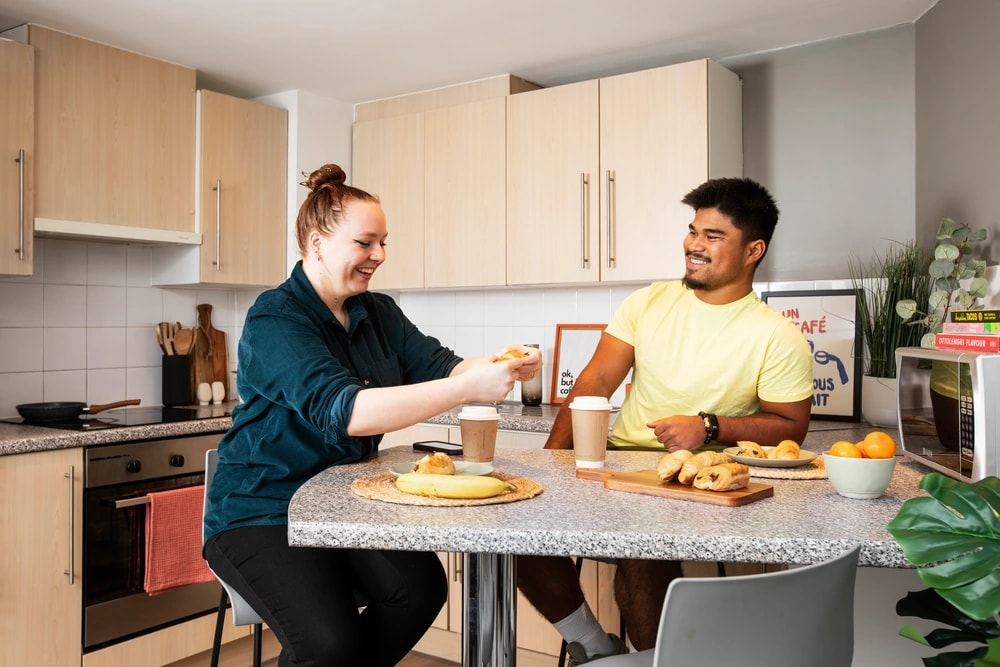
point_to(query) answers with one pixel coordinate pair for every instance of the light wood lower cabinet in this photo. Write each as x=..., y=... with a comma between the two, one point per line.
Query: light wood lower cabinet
x=41, y=591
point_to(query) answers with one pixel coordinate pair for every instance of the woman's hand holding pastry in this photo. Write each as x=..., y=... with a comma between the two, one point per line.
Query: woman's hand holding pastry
x=530, y=360
x=489, y=382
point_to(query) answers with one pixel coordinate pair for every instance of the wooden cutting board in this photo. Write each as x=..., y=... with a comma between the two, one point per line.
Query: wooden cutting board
x=210, y=354
x=647, y=482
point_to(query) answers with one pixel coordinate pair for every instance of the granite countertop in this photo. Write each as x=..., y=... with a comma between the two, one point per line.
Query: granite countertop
x=804, y=522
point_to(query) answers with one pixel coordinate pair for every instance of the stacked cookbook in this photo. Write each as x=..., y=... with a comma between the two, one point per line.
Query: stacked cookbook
x=970, y=331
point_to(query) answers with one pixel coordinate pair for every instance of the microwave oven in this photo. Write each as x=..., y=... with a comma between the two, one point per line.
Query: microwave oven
x=947, y=410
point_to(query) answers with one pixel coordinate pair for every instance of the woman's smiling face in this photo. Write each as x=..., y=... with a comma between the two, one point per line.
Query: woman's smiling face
x=349, y=256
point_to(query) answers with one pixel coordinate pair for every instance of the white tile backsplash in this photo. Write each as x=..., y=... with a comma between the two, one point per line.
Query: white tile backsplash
x=82, y=327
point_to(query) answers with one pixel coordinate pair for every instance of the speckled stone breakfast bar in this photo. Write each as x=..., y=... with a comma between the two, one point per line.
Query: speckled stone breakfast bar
x=804, y=522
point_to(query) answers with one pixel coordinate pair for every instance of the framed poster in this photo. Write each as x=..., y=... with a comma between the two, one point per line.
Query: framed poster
x=575, y=345
x=831, y=323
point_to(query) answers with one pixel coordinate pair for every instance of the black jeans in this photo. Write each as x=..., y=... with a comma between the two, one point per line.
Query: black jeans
x=310, y=596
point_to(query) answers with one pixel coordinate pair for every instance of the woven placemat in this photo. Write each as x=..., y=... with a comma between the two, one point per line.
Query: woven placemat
x=383, y=487
x=812, y=470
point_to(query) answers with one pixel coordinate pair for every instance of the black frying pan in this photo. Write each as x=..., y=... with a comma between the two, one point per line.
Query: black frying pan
x=64, y=411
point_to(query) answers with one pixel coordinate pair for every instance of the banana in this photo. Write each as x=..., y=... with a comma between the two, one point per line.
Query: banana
x=452, y=486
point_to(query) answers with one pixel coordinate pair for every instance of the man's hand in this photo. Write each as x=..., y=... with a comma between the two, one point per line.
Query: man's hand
x=679, y=432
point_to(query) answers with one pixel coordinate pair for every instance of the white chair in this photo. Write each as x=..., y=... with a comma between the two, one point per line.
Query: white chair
x=802, y=616
x=243, y=613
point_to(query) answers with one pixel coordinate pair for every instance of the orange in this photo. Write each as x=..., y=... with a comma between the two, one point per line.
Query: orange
x=879, y=445
x=845, y=448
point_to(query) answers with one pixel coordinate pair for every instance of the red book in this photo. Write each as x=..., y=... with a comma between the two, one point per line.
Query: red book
x=989, y=343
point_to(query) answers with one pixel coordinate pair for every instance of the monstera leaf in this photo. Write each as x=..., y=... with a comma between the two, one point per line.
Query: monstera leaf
x=953, y=538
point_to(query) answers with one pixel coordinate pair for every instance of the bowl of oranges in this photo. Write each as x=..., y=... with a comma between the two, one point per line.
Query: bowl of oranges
x=861, y=469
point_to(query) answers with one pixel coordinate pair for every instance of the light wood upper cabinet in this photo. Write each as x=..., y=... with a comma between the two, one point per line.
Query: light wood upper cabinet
x=243, y=157
x=464, y=195
x=603, y=191
x=388, y=161
x=17, y=137
x=552, y=193
x=115, y=135
x=42, y=593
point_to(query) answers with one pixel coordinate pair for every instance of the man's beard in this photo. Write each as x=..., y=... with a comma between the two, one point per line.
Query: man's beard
x=693, y=283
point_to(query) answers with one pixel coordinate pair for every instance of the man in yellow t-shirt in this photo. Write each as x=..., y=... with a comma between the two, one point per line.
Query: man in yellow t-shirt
x=711, y=364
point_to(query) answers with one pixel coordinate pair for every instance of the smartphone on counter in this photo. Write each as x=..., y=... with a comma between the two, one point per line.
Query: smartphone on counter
x=438, y=446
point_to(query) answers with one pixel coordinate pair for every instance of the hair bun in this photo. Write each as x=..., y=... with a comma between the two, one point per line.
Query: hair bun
x=327, y=174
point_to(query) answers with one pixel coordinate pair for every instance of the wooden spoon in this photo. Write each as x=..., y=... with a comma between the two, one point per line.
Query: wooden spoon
x=183, y=340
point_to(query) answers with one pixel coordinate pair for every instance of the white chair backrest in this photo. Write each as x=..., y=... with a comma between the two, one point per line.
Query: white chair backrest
x=802, y=616
x=243, y=613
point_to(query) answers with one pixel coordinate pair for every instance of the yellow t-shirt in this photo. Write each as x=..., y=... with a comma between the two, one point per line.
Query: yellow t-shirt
x=691, y=356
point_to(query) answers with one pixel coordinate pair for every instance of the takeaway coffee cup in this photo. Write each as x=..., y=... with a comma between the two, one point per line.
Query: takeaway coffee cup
x=479, y=432
x=590, y=430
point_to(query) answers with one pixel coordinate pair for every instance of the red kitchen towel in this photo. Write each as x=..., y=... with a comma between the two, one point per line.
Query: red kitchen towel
x=173, y=540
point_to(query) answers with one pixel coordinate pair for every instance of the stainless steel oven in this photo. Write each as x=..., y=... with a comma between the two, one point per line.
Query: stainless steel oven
x=117, y=481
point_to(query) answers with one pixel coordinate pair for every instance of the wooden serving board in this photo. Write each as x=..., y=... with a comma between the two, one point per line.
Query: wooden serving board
x=210, y=354
x=647, y=482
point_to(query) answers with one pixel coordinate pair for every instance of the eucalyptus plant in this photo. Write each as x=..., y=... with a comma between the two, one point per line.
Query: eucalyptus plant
x=953, y=539
x=899, y=273
x=951, y=265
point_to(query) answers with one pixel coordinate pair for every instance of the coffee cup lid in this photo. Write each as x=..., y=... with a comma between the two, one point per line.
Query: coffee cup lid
x=478, y=412
x=590, y=403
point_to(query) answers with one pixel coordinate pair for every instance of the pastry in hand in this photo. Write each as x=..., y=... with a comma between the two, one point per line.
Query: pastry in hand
x=671, y=464
x=751, y=448
x=786, y=449
x=723, y=477
x=437, y=463
x=690, y=468
x=507, y=355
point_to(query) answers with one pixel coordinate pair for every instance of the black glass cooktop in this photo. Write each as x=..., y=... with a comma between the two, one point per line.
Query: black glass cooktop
x=134, y=416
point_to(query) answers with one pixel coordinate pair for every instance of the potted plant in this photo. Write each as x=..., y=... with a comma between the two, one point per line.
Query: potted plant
x=899, y=273
x=950, y=267
x=953, y=539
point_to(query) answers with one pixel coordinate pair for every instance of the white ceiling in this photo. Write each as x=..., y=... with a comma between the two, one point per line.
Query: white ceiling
x=368, y=49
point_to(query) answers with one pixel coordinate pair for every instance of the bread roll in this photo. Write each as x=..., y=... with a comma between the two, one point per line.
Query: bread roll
x=690, y=468
x=723, y=477
x=751, y=448
x=437, y=463
x=671, y=464
x=786, y=449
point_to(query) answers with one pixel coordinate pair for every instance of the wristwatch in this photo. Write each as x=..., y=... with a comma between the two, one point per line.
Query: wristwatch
x=711, y=426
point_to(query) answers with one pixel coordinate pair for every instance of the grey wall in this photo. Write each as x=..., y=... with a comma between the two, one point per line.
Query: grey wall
x=958, y=117
x=829, y=128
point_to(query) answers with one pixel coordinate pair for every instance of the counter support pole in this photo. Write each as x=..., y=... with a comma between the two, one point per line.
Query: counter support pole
x=489, y=593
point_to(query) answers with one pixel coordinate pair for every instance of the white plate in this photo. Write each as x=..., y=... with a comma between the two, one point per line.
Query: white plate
x=461, y=468
x=804, y=458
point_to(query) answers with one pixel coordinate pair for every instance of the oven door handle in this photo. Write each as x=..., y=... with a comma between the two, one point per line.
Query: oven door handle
x=128, y=501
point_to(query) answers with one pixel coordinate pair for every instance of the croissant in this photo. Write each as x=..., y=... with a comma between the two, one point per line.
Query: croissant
x=701, y=460
x=786, y=449
x=437, y=463
x=723, y=477
x=671, y=464
x=751, y=448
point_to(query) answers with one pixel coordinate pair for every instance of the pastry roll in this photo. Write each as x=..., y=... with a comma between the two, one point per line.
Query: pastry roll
x=723, y=477
x=671, y=464
x=786, y=449
x=437, y=463
x=700, y=460
x=751, y=448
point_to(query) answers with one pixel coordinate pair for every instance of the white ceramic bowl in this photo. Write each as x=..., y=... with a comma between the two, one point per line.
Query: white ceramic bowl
x=859, y=478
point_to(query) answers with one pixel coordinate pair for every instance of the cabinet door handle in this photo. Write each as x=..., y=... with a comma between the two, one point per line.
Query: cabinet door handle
x=72, y=522
x=612, y=219
x=20, y=206
x=585, y=220
x=458, y=566
x=218, y=225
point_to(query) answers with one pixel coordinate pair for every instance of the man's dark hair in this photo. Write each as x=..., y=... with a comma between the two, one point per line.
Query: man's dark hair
x=748, y=203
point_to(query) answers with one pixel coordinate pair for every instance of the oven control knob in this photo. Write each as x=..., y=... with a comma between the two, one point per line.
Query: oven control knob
x=133, y=465
x=176, y=460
